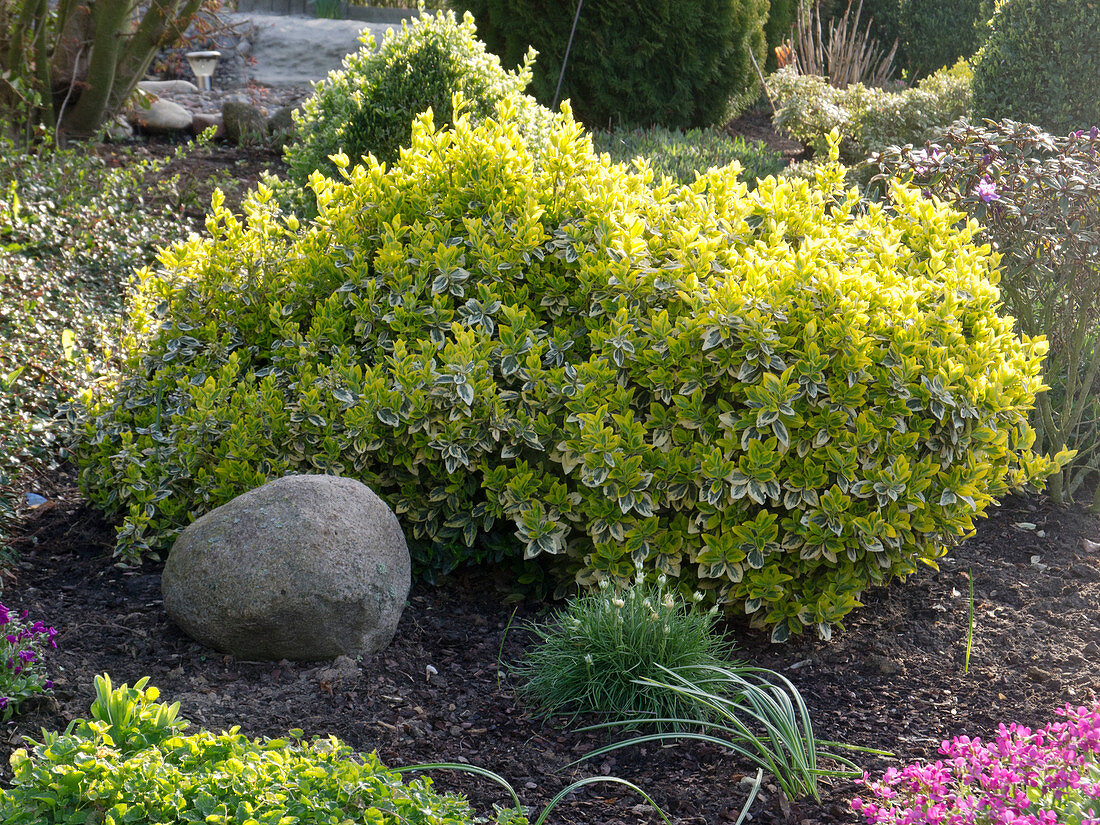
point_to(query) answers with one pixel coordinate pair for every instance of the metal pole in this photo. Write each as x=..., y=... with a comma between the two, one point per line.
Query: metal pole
x=565, y=60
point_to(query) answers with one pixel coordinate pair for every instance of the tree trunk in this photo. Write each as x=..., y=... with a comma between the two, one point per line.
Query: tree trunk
x=119, y=59
x=88, y=113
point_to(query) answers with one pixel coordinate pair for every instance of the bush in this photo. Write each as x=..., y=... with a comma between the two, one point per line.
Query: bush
x=1036, y=197
x=1046, y=776
x=869, y=119
x=590, y=658
x=211, y=777
x=682, y=155
x=1040, y=65
x=368, y=106
x=22, y=669
x=937, y=33
x=672, y=63
x=766, y=396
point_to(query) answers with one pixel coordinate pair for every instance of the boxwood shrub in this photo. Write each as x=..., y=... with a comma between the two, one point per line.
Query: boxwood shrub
x=84, y=776
x=779, y=397
x=368, y=105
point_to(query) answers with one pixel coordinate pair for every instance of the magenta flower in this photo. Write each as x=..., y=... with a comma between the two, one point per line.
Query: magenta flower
x=22, y=671
x=987, y=190
x=1047, y=777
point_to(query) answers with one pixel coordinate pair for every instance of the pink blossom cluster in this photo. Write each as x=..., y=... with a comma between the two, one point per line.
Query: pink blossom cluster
x=1047, y=777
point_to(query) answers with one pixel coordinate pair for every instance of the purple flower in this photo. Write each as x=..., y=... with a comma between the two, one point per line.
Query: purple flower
x=27, y=656
x=5, y=615
x=987, y=190
x=923, y=158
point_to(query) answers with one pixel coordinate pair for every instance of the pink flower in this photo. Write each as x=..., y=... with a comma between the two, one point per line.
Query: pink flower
x=987, y=190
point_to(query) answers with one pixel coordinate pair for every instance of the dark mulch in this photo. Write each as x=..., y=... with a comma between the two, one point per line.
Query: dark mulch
x=892, y=679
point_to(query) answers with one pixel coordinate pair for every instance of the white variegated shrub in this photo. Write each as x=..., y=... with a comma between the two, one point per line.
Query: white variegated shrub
x=780, y=398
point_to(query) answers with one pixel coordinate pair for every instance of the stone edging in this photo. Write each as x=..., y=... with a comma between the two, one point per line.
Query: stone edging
x=367, y=14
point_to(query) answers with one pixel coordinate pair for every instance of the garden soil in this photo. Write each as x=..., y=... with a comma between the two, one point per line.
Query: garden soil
x=894, y=678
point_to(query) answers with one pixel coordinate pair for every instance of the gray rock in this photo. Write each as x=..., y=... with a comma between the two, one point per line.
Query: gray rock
x=168, y=87
x=161, y=116
x=120, y=129
x=244, y=123
x=292, y=51
x=303, y=568
x=282, y=120
x=885, y=666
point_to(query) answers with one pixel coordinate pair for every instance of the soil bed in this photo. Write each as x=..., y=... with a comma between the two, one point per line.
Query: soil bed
x=892, y=679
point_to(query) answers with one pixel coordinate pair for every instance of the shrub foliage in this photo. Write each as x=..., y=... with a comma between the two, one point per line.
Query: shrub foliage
x=869, y=119
x=672, y=63
x=1040, y=65
x=72, y=229
x=135, y=765
x=368, y=106
x=776, y=397
x=1037, y=197
x=937, y=33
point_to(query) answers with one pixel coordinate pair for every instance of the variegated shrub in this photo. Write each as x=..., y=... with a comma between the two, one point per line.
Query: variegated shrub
x=780, y=397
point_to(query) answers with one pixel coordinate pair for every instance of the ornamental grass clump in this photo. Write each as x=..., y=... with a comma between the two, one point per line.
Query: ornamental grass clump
x=778, y=398
x=1030, y=778
x=596, y=655
x=755, y=713
x=683, y=155
x=22, y=660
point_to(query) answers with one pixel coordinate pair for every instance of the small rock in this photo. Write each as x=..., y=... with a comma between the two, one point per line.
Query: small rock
x=160, y=117
x=282, y=120
x=1084, y=572
x=1037, y=674
x=168, y=87
x=1091, y=651
x=243, y=122
x=346, y=668
x=885, y=666
x=244, y=47
x=281, y=125
x=120, y=129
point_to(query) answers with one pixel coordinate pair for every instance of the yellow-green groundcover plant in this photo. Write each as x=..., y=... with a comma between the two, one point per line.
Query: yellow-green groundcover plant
x=780, y=398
